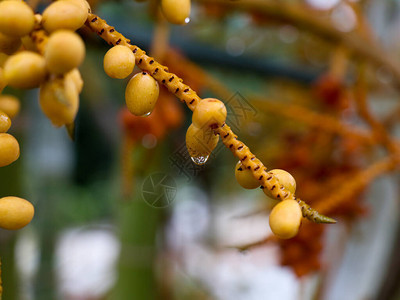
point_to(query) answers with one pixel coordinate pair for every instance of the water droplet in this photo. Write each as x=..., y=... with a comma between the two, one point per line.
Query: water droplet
x=146, y=114
x=200, y=160
x=187, y=20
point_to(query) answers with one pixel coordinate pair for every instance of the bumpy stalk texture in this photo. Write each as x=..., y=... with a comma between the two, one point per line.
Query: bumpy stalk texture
x=176, y=86
x=173, y=83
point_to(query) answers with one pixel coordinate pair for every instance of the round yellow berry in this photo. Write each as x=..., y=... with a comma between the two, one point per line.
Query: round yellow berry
x=285, y=219
x=64, y=51
x=10, y=105
x=286, y=179
x=209, y=112
x=200, y=143
x=15, y=212
x=141, y=94
x=64, y=15
x=9, y=149
x=119, y=62
x=16, y=18
x=5, y=122
x=25, y=70
x=83, y=4
x=76, y=77
x=176, y=11
x=245, y=177
x=59, y=100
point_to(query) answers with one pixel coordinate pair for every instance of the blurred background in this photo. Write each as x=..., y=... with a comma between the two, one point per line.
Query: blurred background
x=311, y=86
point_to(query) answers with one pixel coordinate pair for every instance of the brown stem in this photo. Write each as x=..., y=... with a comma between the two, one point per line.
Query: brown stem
x=351, y=187
x=379, y=130
x=314, y=119
x=255, y=244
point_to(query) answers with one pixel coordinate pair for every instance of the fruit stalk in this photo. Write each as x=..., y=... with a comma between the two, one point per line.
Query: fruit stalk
x=267, y=180
x=173, y=83
x=176, y=86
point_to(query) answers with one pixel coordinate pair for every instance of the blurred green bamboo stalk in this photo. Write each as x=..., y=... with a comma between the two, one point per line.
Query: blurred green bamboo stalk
x=138, y=229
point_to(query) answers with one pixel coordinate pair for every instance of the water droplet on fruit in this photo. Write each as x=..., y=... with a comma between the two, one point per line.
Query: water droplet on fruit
x=200, y=160
x=146, y=114
x=187, y=20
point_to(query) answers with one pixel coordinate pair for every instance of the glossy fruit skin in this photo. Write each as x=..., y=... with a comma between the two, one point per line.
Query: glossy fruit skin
x=5, y=122
x=15, y=212
x=76, y=77
x=285, y=178
x=64, y=15
x=64, y=52
x=9, y=149
x=285, y=219
x=25, y=70
x=199, y=142
x=209, y=112
x=83, y=4
x=141, y=94
x=10, y=105
x=176, y=11
x=59, y=100
x=119, y=62
x=16, y=18
x=245, y=177
x=9, y=44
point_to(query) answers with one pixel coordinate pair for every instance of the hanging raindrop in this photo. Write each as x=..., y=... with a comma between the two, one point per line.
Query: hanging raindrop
x=199, y=160
x=146, y=114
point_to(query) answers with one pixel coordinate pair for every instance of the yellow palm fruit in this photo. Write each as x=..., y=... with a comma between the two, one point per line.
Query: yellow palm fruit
x=64, y=15
x=200, y=143
x=59, y=100
x=141, y=94
x=10, y=105
x=119, y=62
x=285, y=219
x=9, y=44
x=5, y=122
x=209, y=112
x=285, y=178
x=9, y=149
x=16, y=18
x=245, y=177
x=25, y=70
x=15, y=212
x=83, y=4
x=64, y=51
x=176, y=11
x=76, y=77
